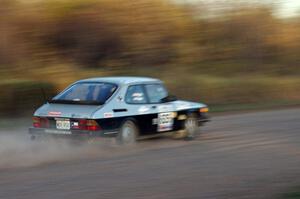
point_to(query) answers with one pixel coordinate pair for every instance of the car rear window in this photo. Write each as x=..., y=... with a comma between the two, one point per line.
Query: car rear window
x=86, y=93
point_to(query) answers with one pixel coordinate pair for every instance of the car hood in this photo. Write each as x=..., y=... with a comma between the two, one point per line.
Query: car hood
x=66, y=110
x=182, y=105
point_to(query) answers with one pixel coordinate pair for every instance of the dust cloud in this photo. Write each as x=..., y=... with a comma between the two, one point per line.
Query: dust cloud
x=18, y=150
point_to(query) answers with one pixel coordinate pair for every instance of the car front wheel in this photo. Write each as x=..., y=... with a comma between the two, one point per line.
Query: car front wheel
x=191, y=127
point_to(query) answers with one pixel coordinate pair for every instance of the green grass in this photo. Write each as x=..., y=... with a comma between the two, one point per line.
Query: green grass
x=294, y=193
x=222, y=93
x=219, y=108
x=14, y=123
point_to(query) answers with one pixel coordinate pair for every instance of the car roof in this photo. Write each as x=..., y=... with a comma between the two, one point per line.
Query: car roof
x=121, y=80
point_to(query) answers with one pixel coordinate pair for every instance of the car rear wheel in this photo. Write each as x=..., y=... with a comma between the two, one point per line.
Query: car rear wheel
x=127, y=133
x=191, y=127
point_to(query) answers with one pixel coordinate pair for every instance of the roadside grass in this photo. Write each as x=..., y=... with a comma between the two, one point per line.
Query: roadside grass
x=294, y=193
x=253, y=107
x=12, y=123
x=221, y=93
x=235, y=93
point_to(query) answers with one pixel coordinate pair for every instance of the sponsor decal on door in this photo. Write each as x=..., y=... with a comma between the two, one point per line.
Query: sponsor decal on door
x=165, y=121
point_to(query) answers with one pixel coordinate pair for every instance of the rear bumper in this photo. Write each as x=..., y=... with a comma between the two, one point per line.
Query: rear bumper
x=70, y=133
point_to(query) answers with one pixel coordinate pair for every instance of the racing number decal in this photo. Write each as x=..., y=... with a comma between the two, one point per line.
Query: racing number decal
x=165, y=121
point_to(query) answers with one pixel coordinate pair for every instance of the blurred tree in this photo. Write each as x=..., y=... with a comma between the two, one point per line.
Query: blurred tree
x=86, y=38
x=6, y=32
x=95, y=33
x=242, y=35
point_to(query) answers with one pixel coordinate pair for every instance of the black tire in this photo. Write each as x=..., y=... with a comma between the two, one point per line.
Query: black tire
x=128, y=133
x=191, y=127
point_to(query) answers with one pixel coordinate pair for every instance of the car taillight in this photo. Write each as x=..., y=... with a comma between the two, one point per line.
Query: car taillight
x=36, y=122
x=90, y=125
x=39, y=122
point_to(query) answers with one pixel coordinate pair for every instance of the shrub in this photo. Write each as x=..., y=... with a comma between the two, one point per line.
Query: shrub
x=23, y=96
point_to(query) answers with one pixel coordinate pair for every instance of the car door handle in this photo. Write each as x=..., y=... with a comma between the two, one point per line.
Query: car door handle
x=153, y=107
x=120, y=110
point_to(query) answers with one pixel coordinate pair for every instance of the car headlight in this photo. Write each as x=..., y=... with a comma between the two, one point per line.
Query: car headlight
x=204, y=110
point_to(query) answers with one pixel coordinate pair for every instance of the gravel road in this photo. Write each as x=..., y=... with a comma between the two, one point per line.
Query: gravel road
x=249, y=155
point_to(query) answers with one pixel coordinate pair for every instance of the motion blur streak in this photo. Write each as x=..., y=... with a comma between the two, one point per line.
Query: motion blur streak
x=241, y=52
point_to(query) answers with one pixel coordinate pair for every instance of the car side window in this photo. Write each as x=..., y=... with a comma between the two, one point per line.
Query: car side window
x=156, y=92
x=135, y=95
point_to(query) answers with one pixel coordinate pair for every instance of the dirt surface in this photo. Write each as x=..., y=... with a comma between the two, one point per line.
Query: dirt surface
x=249, y=155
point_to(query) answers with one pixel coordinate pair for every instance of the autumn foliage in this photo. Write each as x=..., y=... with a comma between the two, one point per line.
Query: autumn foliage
x=145, y=33
x=63, y=40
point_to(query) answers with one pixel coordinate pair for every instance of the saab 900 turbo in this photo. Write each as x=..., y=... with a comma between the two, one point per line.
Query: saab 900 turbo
x=127, y=108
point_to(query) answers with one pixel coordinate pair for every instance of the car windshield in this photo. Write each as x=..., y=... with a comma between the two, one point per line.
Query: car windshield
x=86, y=93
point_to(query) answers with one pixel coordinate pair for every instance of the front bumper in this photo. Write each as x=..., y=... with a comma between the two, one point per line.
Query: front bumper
x=203, y=118
x=70, y=133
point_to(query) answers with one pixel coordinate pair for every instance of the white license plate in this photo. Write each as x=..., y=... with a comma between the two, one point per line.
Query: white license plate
x=63, y=124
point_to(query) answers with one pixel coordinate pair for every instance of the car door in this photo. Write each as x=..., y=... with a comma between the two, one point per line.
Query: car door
x=139, y=107
x=163, y=119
